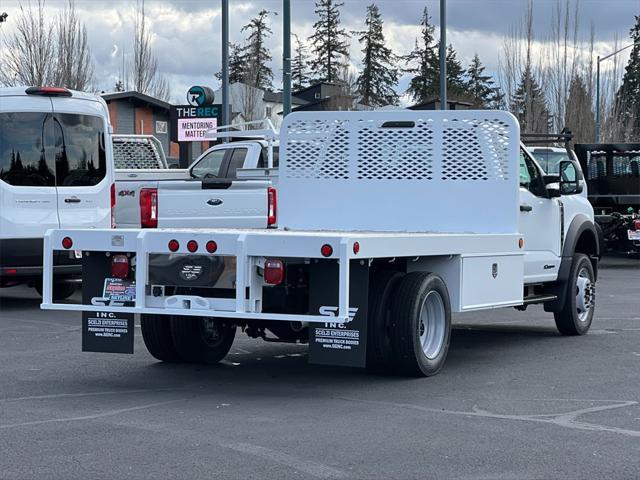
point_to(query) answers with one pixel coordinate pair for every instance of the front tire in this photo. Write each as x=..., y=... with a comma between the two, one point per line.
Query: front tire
x=156, y=333
x=202, y=339
x=420, y=324
x=577, y=312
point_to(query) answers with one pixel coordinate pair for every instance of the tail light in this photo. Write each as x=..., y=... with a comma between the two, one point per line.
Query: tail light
x=113, y=205
x=48, y=91
x=211, y=246
x=272, y=206
x=67, y=243
x=273, y=271
x=120, y=266
x=192, y=246
x=149, y=207
x=326, y=250
x=173, y=245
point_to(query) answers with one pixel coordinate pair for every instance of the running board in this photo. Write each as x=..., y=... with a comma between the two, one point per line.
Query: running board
x=538, y=299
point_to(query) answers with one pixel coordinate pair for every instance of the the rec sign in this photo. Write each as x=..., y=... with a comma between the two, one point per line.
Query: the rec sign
x=190, y=123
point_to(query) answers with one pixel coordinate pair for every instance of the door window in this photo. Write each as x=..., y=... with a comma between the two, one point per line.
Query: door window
x=25, y=159
x=530, y=177
x=80, y=154
x=209, y=165
x=236, y=162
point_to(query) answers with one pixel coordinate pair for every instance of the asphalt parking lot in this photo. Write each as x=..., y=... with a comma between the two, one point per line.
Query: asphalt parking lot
x=515, y=401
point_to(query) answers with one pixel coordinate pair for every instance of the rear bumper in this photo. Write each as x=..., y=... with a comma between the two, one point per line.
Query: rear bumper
x=21, y=260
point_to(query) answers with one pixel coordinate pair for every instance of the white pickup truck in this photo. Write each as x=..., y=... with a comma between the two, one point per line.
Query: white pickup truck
x=370, y=256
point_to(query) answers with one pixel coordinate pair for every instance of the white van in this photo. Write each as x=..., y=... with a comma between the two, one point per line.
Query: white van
x=56, y=171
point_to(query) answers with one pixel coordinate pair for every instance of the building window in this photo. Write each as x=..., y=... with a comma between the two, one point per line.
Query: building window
x=269, y=111
x=161, y=127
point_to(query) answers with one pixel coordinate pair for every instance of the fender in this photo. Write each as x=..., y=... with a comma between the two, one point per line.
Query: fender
x=574, y=241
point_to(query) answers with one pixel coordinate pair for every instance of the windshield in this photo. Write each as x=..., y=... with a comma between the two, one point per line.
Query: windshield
x=549, y=160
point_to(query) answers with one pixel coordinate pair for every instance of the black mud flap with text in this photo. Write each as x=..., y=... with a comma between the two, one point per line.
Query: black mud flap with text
x=106, y=332
x=332, y=343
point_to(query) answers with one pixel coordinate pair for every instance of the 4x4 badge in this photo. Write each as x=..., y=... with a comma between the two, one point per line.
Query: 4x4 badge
x=494, y=270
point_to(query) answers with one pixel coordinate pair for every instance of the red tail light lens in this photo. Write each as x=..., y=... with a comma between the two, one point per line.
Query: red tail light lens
x=113, y=205
x=326, y=250
x=192, y=246
x=272, y=206
x=67, y=242
x=149, y=207
x=120, y=266
x=212, y=246
x=273, y=271
x=356, y=248
x=174, y=245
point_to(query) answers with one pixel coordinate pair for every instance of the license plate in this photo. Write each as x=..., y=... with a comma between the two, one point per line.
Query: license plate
x=633, y=234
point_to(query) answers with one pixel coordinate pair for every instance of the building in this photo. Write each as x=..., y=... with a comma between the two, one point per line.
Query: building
x=434, y=103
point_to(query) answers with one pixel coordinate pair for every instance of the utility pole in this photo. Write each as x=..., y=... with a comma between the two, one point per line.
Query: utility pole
x=598, y=88
x=286, y=57
x=225, y=63
x=443, y=54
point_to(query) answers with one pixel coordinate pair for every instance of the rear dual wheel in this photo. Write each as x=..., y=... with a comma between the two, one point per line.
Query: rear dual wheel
x=189, y=339
x=409, y=323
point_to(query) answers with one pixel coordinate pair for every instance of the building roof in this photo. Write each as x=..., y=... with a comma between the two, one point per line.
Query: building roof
x=436, y=99
x=137, y=96
x=315, y=85
x=276, y=97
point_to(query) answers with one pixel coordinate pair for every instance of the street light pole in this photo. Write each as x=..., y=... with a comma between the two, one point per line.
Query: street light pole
x=225, y=63
x=598, y=87
x=286, y=57
x=443, y=54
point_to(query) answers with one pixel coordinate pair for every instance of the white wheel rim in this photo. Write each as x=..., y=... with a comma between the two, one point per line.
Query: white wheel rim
x=584, y=294
x=432, y=325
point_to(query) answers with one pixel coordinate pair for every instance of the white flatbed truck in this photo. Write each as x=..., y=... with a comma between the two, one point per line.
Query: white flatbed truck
x=387, y=223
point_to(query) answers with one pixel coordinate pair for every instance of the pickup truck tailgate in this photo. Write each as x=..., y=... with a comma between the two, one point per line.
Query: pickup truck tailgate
x=220, y=203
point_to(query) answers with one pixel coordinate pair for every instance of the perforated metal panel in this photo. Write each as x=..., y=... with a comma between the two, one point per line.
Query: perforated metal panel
x=137, y=152
x=400, y=171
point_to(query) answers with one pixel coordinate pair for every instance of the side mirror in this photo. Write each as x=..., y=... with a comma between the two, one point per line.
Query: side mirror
x=569, y=182
x=552, y=185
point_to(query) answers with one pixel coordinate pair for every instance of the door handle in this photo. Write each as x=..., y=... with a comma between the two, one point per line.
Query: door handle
x=72, y=200
x=214, y=202
x=525, y=208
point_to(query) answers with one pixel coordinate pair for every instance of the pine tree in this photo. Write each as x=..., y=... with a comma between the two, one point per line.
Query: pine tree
x=329, y=40
x=628, y=96
x=480, y=86
x=579, y=117
x=300, y=66
x=376, y=83
x=237, y=67
x=422, y=63
x=455, y=74
x=530, y=105
x=256, y=55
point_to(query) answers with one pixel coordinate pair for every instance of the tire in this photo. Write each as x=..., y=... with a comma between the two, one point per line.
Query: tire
x=202, y=339
x=61, y=290
x=379, y=350
x=579, y=303
x=156, y=333
x=419, y=349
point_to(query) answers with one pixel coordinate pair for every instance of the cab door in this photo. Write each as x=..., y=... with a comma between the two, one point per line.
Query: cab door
x=539, y=222
x=84, y=174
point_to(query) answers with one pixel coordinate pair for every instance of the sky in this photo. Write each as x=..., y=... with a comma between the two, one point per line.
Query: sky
x=187, y=33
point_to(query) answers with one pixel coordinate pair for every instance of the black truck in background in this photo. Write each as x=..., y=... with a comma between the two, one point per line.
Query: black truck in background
x=612, y=173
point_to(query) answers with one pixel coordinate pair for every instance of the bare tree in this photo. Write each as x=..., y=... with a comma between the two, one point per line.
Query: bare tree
x=248, y=97
x=30, y=51
x=146, y=78
x=74, y=68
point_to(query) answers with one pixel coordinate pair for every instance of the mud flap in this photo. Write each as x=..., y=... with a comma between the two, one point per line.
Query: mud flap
x=106, y=332
x=332, y=343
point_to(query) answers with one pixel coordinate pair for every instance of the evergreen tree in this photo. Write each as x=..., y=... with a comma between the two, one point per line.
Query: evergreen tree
x=579, y=115
x=456, y=86
x=479, y=86
x=255, y=55
x=375, y=85
x=628, y=96
x=236, y=64
x=329, y=40
x=422, y=63
x=300, y=66
x=530, y=105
